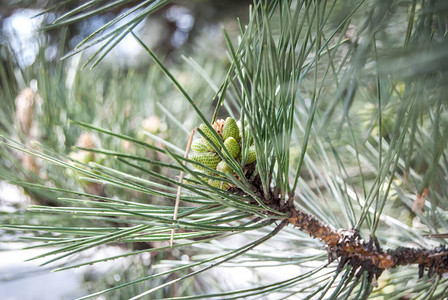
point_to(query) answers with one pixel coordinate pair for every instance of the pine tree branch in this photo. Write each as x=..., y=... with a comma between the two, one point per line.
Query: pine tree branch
x=350, y=247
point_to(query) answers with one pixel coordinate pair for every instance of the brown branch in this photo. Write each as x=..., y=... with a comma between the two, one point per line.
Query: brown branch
x=368, y=256
x=347, y=244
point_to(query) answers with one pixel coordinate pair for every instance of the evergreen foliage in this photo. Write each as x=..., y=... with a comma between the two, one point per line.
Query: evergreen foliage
x=343, y=105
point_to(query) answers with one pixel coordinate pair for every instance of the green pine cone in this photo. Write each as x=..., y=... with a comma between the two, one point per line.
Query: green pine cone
x=239, y=124
x=218, y=184
x=209, y=159
x=224, y=167
x=211, y=136
x=190, y=179
x=232, y=145
x=230, y=129
x=252, y=155
x=199, y=146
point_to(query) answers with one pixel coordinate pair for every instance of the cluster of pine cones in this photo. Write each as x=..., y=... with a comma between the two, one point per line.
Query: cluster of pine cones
x=231, y=134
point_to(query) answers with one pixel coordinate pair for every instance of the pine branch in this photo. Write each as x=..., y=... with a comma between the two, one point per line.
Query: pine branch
x=350, y=247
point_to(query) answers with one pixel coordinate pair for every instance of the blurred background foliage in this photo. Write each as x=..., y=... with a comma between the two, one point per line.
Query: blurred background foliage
x=138, y=97
x=368, y=145
x=40, y=94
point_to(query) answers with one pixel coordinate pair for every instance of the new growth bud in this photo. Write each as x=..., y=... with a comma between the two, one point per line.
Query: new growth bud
x=205, y=154
x=199, y=146
x=218, y=184
x=207, y=131
x=224, y=167
x=230, y=129
x=232, y=146
x=209, y=159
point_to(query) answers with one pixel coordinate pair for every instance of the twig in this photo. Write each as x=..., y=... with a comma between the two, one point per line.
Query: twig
x=179, y=188
x=365, y=255
x=348, y=246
